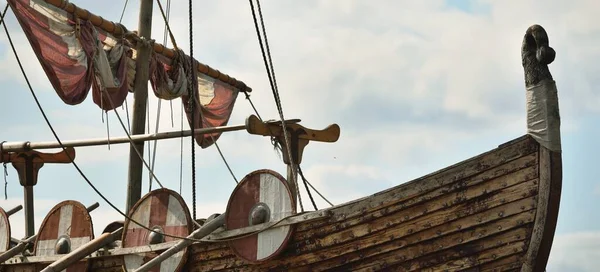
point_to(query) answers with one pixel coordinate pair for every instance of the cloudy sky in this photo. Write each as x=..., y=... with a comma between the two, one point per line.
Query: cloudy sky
x=414, y=85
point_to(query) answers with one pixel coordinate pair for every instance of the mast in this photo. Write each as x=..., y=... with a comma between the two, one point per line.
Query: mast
x=140, y=96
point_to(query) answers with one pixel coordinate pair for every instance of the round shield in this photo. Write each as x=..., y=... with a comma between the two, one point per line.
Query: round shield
x=262, y=196
x=4, y=231
x=165, y=212
x=66, y=227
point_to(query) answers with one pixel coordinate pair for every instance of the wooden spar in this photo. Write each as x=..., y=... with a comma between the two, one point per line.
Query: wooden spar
x=203, y=231
x=14, y=210
x=118, y=30
x=140, y=99
x=83, y=251
x=21, y=245
x=25, y=146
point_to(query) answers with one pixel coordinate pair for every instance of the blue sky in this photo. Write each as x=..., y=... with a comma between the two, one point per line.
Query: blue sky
x=414, y=86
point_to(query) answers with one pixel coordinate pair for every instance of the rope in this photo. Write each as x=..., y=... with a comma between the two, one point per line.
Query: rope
x=47, y=120
x=5, y=181
x=149, y=144
x=311, y=186
x=127, y=113
x=165, y=43
x=307, y=190
x=181, y=154
x=126, y=104
x=273, y=82
x=193, y=96
x=166, y=19
x=159, y=106
x=37, y=102
x=123, y=12
x=225, y=161
x=5, y=170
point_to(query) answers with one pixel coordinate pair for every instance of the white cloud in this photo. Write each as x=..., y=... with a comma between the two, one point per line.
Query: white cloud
x=577, y=252
x=414, y=86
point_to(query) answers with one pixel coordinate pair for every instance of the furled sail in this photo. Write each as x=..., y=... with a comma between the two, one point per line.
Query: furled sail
x=73, y=56
x=214, y=98
x=76, y=55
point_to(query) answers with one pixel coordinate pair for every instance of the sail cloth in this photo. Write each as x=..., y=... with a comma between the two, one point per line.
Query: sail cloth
x=169, y=81
x=214, y=98
x=76, y=56
x=73, y=56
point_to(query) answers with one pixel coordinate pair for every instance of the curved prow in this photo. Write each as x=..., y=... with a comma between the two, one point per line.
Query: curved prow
x=543, y=117
x=543, y=125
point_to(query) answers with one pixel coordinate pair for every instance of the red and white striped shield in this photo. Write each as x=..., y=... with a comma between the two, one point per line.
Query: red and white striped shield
x=260, y=188
x=163, y=209
x=68, y=219
x=4, y=231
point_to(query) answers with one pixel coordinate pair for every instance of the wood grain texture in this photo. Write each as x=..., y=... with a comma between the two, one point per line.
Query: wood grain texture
x=483, y=214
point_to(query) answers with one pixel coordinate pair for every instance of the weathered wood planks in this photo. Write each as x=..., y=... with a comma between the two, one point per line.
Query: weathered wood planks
x=478, y=214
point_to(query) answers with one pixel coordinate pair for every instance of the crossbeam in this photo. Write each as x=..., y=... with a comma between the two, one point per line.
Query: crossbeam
x=26, y=146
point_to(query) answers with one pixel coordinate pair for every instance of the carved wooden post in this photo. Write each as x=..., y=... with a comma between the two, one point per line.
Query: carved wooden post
x=299, y=138
x=27, y=164
x=543, y=124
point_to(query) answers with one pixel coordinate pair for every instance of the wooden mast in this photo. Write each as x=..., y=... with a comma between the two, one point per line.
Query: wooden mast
x=140, y=98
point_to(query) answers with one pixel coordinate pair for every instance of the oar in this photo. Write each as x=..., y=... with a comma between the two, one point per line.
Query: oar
x=202, y=232
x=83, y=251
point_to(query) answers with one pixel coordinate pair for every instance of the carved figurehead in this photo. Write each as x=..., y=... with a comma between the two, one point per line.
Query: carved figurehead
x=543, y=118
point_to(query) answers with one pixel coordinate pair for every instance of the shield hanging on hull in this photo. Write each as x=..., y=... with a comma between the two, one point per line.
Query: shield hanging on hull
x=262, y=196
x=165, y=212
x=67, y=227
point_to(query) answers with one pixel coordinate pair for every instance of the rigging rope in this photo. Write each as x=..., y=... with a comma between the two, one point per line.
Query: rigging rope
x=126, y=106
x=5, y=170
x=37, y=102
x=273, y=82
x=276, y=93
x=123, y=12
x=47, y=121
x=159, y=106
x=311, y=186
x=193, y=96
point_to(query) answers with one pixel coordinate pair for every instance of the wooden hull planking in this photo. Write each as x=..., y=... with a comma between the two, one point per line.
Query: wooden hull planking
x=493, y=212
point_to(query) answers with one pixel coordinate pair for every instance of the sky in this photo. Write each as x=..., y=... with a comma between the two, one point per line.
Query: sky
x=414, y=85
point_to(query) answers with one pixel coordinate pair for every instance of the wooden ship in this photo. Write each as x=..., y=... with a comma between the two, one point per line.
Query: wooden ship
x=496, y=211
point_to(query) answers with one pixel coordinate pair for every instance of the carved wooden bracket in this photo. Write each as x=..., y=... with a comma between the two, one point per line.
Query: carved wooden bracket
x=299, y=136
x=28, y=163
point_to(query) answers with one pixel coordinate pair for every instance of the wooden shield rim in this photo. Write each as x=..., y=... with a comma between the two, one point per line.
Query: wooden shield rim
x=54, y=209
x=136, y=207
x=292, y=227
x=3, y=213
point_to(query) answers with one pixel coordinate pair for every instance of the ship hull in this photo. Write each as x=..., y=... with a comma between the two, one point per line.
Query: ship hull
x=493, y=212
